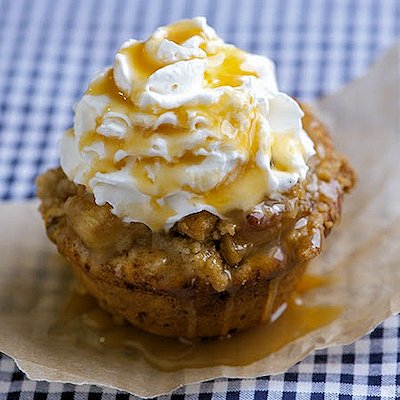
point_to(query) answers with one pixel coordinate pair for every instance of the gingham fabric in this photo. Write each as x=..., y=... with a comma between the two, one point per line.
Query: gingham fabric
x=50, y=49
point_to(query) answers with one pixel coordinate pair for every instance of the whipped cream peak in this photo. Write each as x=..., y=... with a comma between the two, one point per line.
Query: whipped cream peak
x=184, y=122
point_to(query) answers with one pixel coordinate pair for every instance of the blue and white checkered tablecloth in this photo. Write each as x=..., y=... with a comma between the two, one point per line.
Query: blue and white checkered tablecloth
x=50, y=49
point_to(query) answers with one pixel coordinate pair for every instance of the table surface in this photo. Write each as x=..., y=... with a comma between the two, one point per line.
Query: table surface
x=50, y=49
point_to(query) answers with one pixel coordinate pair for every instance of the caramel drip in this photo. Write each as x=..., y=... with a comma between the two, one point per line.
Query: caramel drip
x=105, y=86
x=169, y=354
x=182, y=31
x=272, y=292
x=310, y=282
x=230, y=72
x=231, y=195
x=139, y=60
x=106, y=164
x=253, y=181
x=226, y=323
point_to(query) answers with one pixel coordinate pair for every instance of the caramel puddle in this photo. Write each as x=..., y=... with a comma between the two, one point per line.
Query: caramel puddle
x=96, y=328
x=309, y=282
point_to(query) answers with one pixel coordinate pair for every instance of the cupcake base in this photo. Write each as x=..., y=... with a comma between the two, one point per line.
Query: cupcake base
x=193, y=312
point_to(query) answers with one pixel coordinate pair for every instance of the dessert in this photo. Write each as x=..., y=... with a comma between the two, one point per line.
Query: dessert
x=192, y=193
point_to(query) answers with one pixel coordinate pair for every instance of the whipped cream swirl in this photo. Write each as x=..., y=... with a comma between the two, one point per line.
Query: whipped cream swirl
x=181, y=123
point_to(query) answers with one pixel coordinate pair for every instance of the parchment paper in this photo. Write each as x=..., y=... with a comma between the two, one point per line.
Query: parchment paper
x=364, y=254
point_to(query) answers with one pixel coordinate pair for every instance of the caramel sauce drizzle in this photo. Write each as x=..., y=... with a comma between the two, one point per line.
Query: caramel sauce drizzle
x=230, y=72
x=105, y=86
x=140, y=61
x=253, y=179
x=182, y=31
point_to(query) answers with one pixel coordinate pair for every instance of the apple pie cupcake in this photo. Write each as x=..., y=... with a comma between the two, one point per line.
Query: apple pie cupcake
x=192, y=193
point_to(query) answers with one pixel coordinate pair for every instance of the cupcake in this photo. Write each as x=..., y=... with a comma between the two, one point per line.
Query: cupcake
x=192, y=193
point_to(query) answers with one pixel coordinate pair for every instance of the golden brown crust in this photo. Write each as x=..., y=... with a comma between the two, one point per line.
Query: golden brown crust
x=206, y=277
